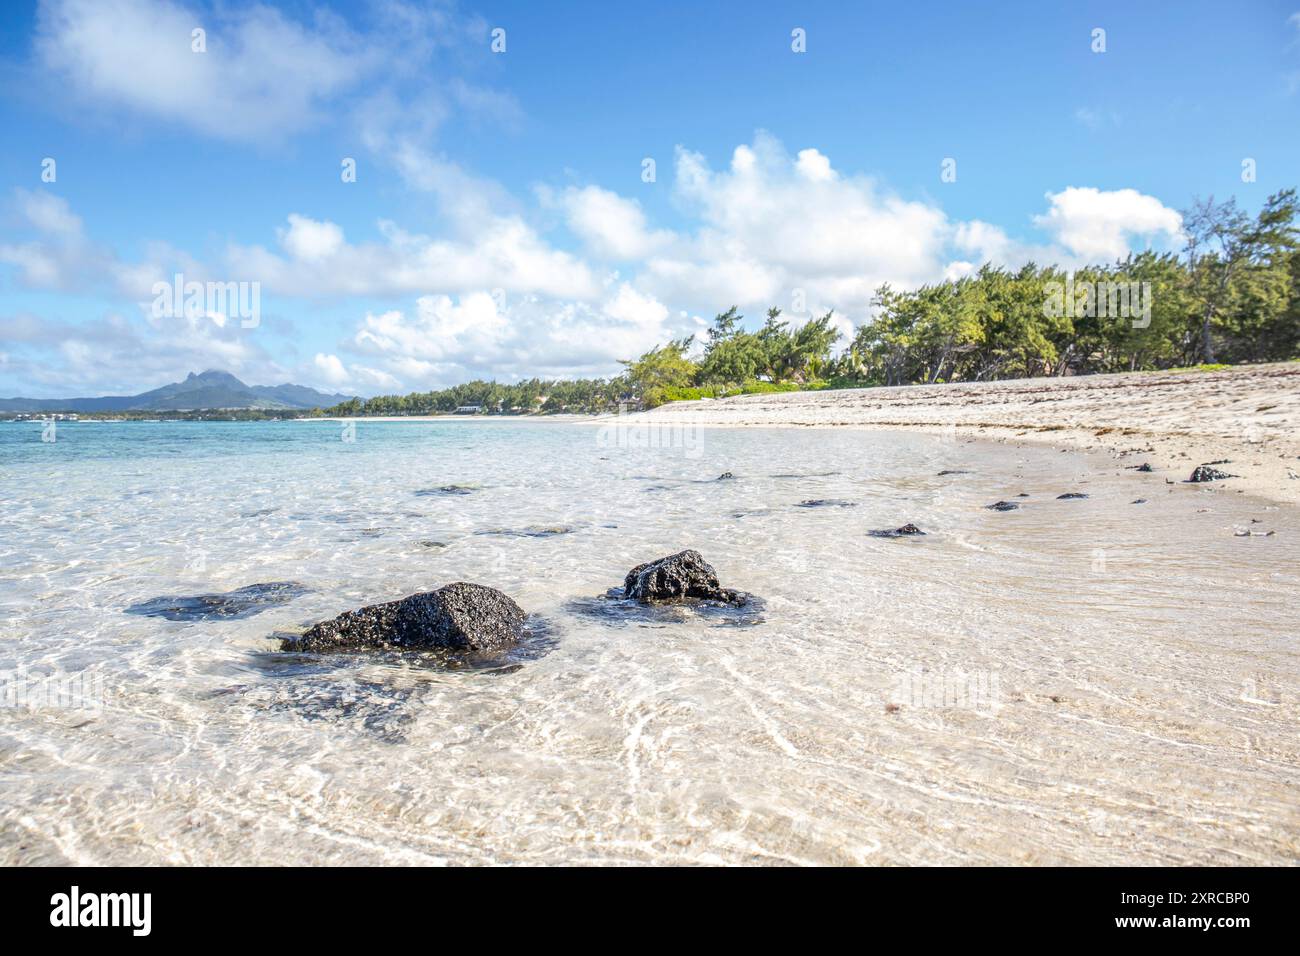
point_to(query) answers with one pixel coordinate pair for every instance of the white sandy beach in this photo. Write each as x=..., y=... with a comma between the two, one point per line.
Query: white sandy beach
x=1249, y=415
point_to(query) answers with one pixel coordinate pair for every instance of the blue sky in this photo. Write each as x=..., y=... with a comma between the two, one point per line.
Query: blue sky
x=500, y=225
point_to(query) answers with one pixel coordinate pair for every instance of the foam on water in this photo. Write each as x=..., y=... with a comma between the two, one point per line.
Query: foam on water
x=1073, y=681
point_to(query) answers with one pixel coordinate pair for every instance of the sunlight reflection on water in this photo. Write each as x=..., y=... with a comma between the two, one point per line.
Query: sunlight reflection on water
x=1075, y=681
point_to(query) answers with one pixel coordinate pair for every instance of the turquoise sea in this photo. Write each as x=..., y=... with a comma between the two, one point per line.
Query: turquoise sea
x=1084, y=680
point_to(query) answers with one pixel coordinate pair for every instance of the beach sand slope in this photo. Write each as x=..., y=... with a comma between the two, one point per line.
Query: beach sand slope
x=1175, y=420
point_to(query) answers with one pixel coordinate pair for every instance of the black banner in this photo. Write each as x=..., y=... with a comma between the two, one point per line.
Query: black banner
x=331, y=906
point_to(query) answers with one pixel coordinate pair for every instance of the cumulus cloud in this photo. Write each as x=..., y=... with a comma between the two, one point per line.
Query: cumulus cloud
x=58, y=255
x=308, y=240
x=330, y=368
x=446, y=339
x=1098, y=225
x=771, y=227
x=494, y=294
x=610, y=226
x=505, y=252
x=125, y=353
x=262, y=75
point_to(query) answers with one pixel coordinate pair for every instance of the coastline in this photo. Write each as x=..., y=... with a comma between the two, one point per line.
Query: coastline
x=1249, y=415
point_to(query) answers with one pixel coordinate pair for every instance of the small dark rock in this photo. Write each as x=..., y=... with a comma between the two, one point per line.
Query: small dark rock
x=1206, y=473
x=444, y=490
x=615, y=610
x=1145, y=466
x=953, y=471
x=905, y=531
x=240, y=603
x=1003, y=506
x=684, y=575
x=458, y=616
x=825, y=503
x=531, y=532
x=725, y=476
x=1139, y=501
x=1071, y=496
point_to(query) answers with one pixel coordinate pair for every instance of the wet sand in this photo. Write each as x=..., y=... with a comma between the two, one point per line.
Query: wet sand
x=1249, y=415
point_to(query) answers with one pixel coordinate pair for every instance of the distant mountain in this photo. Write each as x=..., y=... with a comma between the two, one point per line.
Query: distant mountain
x=205, y=390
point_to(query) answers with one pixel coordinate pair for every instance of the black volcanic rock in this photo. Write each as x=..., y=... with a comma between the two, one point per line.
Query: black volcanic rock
x=1207, y=473
x=459, y=616
x=906, y=531
x=684, y=575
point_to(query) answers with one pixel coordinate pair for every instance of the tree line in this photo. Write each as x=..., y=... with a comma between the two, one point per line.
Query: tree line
x=1231, y=295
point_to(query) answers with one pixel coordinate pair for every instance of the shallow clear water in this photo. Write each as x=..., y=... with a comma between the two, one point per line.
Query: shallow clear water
x=1075, y=681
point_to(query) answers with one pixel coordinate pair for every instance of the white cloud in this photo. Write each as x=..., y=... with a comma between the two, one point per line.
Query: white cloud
x=493, y=295
x=1099, y=225
x=262, y=75
x=504, y=252
x=449, y=339
x=813, y=166
x=309, y=240
x=49, y=214
x=610, y=226
x=59, y=257
x=330, y=369
x=770, y=225
x=121, y=355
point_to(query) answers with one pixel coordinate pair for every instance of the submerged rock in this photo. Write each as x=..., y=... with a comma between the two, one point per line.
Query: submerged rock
x=906, y=530
x=1003, y=506
x=615, y=610
x=825, y=503
x=530, y=532
x=242, y=602
x=459, y=616
x=445, y=490
x=1207, y=473
x=1071, y=496
x=684, y=575
x=953, y=471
